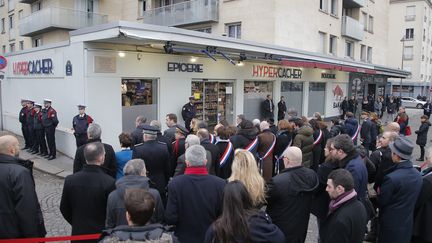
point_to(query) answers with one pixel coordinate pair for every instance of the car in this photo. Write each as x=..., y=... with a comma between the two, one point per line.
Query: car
x=412, y=102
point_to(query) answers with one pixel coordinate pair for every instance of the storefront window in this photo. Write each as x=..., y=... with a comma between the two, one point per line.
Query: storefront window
x=293, y=93
x=255, y=92
x=139, y=98
x=317, y=95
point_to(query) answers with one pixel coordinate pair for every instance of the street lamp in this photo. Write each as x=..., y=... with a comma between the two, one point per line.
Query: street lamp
x=402, y=61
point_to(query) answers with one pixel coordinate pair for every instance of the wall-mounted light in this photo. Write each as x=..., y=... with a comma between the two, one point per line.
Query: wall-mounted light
x=193, y=59
x=323, y=71
x=240, y=63
x=139, y=56
x=121, y=54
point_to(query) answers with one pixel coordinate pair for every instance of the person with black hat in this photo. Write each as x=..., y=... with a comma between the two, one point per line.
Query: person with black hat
x=23, y=120
x=80, y=125
x=50, y=122
x=189, y=112
x=29, y=122
x=246, y=137
x=40, y=144
x=398, y=194
x=178, y=146
x=156, y=157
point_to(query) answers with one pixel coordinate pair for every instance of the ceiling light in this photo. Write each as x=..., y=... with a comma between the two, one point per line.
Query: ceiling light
x=121, y=54
x=240, y=64
x=193, y=59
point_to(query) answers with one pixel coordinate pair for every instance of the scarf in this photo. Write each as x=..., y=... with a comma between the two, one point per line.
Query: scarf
x=199, y=170
x=339, y=201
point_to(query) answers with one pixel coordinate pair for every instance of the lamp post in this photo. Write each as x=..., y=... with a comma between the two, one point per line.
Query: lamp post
x=402, y=62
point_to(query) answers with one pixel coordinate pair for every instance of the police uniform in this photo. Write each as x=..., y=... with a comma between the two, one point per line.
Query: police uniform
x=188, y=113
x=39, y=141
x=156, y=157
x=80, y=124
x=178, y=146
x=23, y=121
x=50, y=122
x=30, y=123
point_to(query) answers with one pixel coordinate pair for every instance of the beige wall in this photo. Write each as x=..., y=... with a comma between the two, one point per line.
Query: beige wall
x=5, y=38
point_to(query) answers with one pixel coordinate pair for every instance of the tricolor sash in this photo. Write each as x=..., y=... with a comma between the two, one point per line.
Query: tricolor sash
x=212, y=139
x=252, y=145
x=354, y=137
x=319, y=138
x=278, y=158
x=266, y=154
x=228, y=150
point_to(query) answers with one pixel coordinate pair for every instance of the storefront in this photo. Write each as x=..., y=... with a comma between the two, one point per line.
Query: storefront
x=121, y=78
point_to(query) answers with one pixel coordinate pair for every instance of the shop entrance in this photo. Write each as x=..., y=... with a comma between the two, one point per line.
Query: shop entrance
x=255, y=92
x=139, y=98
x=214, y=100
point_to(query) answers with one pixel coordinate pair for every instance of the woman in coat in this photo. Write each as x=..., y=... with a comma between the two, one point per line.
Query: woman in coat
x=422, y=135
x=241, y=221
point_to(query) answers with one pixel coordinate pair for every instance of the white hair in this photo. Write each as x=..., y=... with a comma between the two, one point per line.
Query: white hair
x=195, y=155
x=256, y=122
x=192, y=140
x=264, y=125
x=134, y=167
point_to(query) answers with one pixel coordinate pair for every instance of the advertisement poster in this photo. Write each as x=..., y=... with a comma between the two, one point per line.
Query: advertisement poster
x=339, y=91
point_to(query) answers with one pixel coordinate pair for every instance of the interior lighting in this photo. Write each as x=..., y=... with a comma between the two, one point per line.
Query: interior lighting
x=121, y=54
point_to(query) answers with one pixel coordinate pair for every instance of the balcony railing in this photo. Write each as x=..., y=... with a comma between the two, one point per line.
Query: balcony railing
x=27, y=1
x=352, y=28
x=354, y=3
x=58, y=18
x=188, y=12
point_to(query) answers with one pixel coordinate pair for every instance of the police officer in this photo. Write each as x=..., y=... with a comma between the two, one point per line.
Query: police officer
x=178, y=146
x=156, y=157
x=80, y=124
x=30, y=123
x=39, y=142
x=23, y=121
x=50, y=122
x=189, y=112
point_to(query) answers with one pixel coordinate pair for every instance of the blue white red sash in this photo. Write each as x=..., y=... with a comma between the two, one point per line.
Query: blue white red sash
x=228, y=150
x=354, y=137
x=318, y=139
x=252, y=145
x=266, y=154
x=278, y=158
x=212, y=139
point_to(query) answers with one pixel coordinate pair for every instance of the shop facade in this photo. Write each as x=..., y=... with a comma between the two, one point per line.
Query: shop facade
x=118, y=83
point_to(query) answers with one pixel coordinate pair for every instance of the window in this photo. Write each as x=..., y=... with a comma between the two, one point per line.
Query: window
x=408, y=53
x=334, y=7
x=424, y=34
x=11, y=22
x=36, y=6
x=234, y=30
x=37, y=41
x=422, y=57
x=363, y=53
x=365, y=20
x=4, y=49
x=12, y=47
x=323, y=5
x=409, y=34
x=349, y=49
x=21, y=45
x=332, y=44
x=142, y=7
x=11, y=5
x=20, y=14
x=370, y=24
x=205, y=30
x=410, y=13
x=2, y=4
x=3, y=26
x=369, y=54
x=322, y=42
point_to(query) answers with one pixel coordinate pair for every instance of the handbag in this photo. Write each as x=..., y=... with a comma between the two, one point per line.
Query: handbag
x=407, y=131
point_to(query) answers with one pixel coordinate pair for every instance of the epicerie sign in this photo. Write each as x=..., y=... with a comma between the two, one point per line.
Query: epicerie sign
x=185, y=67
x=276, y=72
x=42, y=66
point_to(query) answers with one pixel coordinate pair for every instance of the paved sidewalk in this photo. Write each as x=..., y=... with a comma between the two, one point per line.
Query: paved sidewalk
x=61, y=166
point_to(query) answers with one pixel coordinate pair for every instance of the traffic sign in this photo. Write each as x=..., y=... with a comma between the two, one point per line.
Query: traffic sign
x=3, y=62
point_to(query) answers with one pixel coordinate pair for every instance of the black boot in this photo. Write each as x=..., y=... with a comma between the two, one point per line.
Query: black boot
x=372, y=235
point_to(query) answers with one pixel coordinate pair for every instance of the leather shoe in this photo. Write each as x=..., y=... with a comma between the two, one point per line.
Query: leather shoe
x=34, y=152
x=419, y=159
x=51, y=158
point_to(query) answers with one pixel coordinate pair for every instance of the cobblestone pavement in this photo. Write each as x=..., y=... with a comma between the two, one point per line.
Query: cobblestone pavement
x=49, y=189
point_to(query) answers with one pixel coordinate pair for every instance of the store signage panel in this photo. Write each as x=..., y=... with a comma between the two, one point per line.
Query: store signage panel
x=276, y=72
x=105, y=64
x=328, y=75
x=185, y=67
x=39, y=66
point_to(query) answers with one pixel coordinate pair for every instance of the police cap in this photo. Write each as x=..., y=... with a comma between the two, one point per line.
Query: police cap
x=38, y=105
x=152, y=130
x=181, y=129
x=47, y=101
x=81, y=106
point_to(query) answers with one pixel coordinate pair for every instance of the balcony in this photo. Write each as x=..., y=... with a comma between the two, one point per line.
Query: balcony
x=353, y=3
x=27, y=1
x=188, y=12
x=49, y=19
x=352, y=28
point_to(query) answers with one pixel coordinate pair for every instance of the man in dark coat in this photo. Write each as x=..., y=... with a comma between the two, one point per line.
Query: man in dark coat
x=109, y=165
x=23, y=120
x=137, y=134
x=156, y=158
x=21, y=216
x=204, y=135
x=171, y=122
x=161, y=138
x=267, y=108
x=282, y=109
x=344, y=107
x=289, y=196
x=427, y=108
x=194, y=199
x=366, y=131
x=135, y=178
x=266, y=144
x=30, y=123
x=398, y=194
x=84, y=198
x=246, y=137
x=181, y=161
x=352, y=127
x=80, y=124
x=422, y=135
x=40, y=146
x=50, y=122
x=346, y=220
x=189, y=112
x=178, y=146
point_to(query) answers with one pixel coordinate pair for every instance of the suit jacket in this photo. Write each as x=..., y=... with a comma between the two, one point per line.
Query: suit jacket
x=266, y=111
x=110, y=162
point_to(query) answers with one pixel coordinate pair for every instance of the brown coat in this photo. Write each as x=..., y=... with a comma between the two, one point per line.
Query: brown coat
x=266, y=139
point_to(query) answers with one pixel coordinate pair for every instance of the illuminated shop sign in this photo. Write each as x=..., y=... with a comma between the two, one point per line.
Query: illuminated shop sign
x=276, y=72
x=328, y=75
x=41, y=66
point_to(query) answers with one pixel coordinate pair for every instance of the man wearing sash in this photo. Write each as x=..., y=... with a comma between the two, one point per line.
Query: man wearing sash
x=267, y=141
x=304, y=140
x=352, y=127
x=226, y=148
x=246, y=137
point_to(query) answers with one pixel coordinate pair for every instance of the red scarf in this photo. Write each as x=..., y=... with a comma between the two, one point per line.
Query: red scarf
x=343, y=198
x=198, y=170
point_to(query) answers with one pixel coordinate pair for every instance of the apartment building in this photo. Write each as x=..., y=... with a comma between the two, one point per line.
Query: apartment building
x=11, y=14
x=410, y=42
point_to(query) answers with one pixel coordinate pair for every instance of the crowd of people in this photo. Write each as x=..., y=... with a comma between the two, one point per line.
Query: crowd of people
x=252, y=181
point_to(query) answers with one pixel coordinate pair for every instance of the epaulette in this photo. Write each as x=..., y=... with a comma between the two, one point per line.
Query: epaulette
x=161, y=143
x=136, y=145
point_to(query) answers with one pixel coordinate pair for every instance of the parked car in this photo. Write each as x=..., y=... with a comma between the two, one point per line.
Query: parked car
x=412, y=102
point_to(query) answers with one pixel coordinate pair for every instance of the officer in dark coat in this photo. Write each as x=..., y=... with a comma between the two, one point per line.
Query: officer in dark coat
x=30, y=123
x=23, y=120
x=50, y=122
x=40, y=144
x=137, y=134
x=281, y=109
x=178, y=146
x=423, y=210
x=267, y=108
x=84, y=199
x=80, y=124
x=156, y=157
x=189, y=112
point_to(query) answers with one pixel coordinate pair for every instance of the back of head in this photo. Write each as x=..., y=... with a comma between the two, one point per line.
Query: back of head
x=134, y=167
x=349, y=114
x=294, y=154
x=342, y=177
x=139, y=204
x=140, y=120
x=264, y=125
x=195, y=155
x=94, y=131
x=192, y=140
x=284, y=125
x=344, y=142
x=202, y=124
x=125, y=140
x=94, y=153
x=393, y=127
x=155, y=123
x=256, y=122
x=172, y=117
x=8, y=144
x=203, y=134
